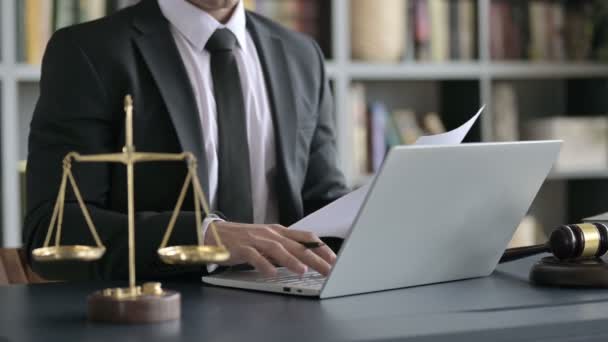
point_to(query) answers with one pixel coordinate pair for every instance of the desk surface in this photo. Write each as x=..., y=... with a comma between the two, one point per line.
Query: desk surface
x=502, y=307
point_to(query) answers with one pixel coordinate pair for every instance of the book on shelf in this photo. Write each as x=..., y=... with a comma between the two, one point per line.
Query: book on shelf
x=377, y=128
x=465, y=28
x=377, y=134
x=496, y=29
x=585, y=140
x=91, y=10
x=409, y=52
x=36, y=31
x=38, y=19
x=440, y=30
x=422, y=29
x=454, y=20
x=298, y=15
x=529, y=232
x=539, y=31
x=432, y=124
x=359, y=111
x=306, y=16
x=407, y=125
x=65, y=13
x=444, y=30
x=600, y=38
x=556, y=17
x=387, y=128
x=249, y=4
x=506, y=114
x=548, y=30
x=433, y=30
x=377, y=30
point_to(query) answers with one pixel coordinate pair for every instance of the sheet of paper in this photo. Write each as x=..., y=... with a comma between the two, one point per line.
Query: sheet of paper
x=452, y=137
x=336, y=218
x=601, y=218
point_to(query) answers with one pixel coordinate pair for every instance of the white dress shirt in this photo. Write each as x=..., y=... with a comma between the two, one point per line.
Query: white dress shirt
x=191, y=28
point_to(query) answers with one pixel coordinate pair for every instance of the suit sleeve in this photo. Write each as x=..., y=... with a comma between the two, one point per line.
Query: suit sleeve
x=73, y=114
x=324, y=181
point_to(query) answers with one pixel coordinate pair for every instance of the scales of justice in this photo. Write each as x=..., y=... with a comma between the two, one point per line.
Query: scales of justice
x=133, y=304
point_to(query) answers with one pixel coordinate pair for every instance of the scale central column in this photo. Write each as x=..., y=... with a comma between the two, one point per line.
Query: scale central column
x=130, y=149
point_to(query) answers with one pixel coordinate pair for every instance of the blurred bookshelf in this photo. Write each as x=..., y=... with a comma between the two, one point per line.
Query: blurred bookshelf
x=415, y=57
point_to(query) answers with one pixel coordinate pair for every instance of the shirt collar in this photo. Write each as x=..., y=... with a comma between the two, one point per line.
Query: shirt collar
x=197, y=26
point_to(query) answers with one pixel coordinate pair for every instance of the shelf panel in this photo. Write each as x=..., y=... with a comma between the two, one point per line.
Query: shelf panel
x=579, y=174
x=27, y=73
x=554, y=175
x=31, y=73
x=469, y=70
x=419, y=71
x=414, y=71
x=332, y=69
x=546, y=70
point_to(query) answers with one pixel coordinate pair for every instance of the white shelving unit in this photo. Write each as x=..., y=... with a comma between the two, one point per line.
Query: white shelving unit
x=9, y=114
x=468, y=70
x=344, y=71
x=579, y=175
x=19, y=90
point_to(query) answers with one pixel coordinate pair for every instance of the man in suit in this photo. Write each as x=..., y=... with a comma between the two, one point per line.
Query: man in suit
x=248, y=98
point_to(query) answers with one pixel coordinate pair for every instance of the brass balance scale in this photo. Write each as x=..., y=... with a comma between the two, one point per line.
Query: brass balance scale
x=134, y=304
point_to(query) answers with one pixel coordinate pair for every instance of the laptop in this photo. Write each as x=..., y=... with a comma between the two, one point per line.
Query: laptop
x=433, y=214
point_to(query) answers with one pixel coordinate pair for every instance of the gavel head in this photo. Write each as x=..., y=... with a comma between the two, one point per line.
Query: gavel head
x=579, y=241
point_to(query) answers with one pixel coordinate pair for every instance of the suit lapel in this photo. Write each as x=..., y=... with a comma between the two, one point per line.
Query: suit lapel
x=160, y=53
x=280, y=91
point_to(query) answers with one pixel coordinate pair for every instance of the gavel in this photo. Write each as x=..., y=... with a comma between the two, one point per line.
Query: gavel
x=567, y=243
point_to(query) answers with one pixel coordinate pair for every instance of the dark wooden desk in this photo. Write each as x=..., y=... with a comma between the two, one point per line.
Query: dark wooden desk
x=502, y=307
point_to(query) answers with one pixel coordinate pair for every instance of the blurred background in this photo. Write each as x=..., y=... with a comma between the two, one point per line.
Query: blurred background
x=399, y=69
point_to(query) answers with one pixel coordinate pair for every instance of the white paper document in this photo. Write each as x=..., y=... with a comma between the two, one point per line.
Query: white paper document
x=336, y=218
x=452, y=137
x=601, y=218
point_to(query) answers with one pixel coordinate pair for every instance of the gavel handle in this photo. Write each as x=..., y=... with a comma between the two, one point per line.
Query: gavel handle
x=523, y=252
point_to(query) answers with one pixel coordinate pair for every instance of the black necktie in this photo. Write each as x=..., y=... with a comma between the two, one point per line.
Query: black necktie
x=234, y=178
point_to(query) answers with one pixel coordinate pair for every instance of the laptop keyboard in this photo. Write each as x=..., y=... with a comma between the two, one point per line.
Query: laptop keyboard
x=309, y=279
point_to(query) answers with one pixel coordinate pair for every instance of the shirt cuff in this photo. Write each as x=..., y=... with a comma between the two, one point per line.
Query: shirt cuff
x=206, y=223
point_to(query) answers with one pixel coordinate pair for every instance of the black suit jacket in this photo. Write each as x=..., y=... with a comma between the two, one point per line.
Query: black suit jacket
x=86, y=72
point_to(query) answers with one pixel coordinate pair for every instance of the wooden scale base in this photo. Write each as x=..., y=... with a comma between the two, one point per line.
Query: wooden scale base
x=591, y=273
x=147, y=304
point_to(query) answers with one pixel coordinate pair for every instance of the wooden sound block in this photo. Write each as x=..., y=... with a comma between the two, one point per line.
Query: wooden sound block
x=107, y=306
x=550, y=271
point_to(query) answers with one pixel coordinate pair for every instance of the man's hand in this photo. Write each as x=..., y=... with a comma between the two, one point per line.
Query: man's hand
x=262, y=246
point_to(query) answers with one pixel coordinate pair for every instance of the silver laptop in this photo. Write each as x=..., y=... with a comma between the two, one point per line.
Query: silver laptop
x=433, y=214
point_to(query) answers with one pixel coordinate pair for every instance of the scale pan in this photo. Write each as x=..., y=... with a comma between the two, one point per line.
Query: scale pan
x=60, y=253
x=194, y=254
